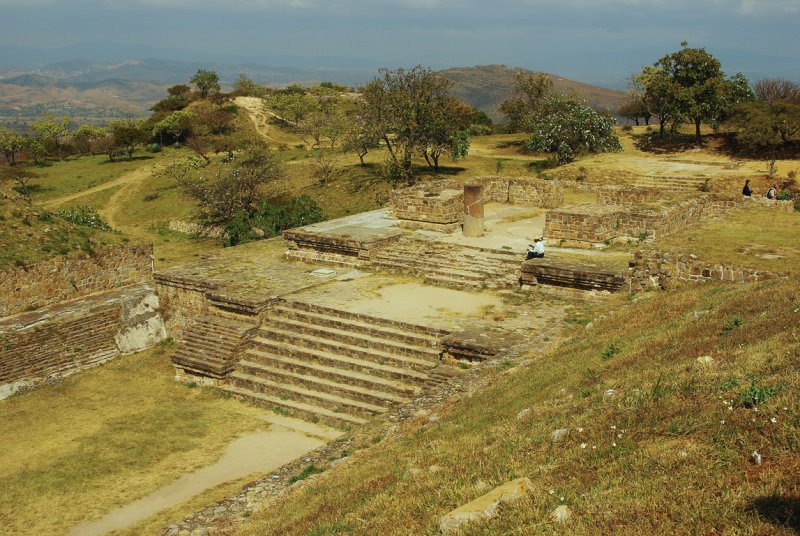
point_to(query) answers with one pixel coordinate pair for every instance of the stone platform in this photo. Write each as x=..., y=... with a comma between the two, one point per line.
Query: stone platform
x=571, y=275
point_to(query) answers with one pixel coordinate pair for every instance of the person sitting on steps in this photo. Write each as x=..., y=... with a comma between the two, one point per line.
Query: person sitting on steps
x=536, y=251
x=746, y=191
x=772, y=193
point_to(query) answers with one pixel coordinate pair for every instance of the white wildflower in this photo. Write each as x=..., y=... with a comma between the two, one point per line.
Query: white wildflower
x=583, y=445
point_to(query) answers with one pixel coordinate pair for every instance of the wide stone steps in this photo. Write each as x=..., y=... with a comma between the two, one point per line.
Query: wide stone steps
x=367, y=353
x=318, y=382
x=296, y=393
x=669, y=183
x=337, y=360
x=452, y=282
x=210, y=345
x=322, y=320
x=296, y=409
x=313, y=369
x=372, y=320
x=426, y=266
x=363, y=340
x=334, y=365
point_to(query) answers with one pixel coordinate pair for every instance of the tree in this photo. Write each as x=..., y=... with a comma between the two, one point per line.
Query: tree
x=654, y=89
x=409, y=110
x=766, y=125
x=634, y=110
x=245, y=87
x=179, y=97
x=235, y=188
x=11, y=144
x=445, y=132
x=207, y=82
x=360, y=138
x=51, y=130
x=21, y=176
x=85, y=136
x=173, y=128
x=530, y=91
x=568, y=127
x=124, y=138
x=777, y=90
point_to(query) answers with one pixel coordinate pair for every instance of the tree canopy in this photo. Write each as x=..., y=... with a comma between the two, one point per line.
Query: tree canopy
x=207, y=82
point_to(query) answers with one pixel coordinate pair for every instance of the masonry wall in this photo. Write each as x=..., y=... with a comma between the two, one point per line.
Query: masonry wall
x=651, y=268
x=182, y=302
x=522, y=191
x=626, y=195
x=73, y=276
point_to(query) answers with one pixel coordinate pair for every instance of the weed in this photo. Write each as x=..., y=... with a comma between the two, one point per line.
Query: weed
x=643, y=236
x=732, y=325
x=729, y=384
x=756, y=394
x=464, y=366
x=610, y=351
x=151, y=196
x=305, y=473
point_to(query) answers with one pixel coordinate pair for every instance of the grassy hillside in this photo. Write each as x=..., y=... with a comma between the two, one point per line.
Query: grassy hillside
x=658, y=442
x=31, y=234
x=486, y=86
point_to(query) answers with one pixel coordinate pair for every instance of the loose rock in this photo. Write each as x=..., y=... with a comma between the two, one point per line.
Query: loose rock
x=561, y=514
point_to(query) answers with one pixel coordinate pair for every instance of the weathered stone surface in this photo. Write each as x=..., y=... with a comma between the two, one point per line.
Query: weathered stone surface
x=561, y=514
x=559, y=435
x=473, y=210
x=141, y=325
x=73, y=276
x=569, y=274
x=485, y=506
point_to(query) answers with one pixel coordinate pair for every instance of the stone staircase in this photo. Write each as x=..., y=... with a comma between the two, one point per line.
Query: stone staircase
x=334, y=366
x=450, y=265
x=211, y=344
x=677, y=184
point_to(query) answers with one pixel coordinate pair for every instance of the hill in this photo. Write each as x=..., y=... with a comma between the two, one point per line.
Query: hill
x=486, y=86
x=654, y=440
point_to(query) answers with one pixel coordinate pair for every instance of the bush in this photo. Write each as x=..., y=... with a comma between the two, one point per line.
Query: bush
x=153, y=148
x=271, y=218
x=83, y=215
x=784, y=196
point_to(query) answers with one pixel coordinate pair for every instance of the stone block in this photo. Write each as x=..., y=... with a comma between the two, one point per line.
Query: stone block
x=485, y=506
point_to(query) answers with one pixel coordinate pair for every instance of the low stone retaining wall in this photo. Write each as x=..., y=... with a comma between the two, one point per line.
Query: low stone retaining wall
x=572, y=275
x=592, y=225
x=627, y=195
x=652, y=268
x=439, y=205
x=59, y=340
x=73, y=276
x=196, y=229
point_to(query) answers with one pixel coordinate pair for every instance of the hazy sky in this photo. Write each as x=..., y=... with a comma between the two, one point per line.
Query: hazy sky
x=593, y=40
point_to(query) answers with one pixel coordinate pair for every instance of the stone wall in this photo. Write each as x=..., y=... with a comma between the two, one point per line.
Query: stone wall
x=522, y=191
x=627, y=195
x=651, y=268
x=37, y=347
x=73, y=276
x=435, y=206
x=439, y=205
x=595, y=224
x=183, y=301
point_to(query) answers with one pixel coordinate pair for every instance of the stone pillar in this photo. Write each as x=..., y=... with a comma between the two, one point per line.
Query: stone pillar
x=473, y=210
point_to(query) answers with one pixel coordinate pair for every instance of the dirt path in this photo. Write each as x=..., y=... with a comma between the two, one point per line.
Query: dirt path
x=254, y=107
x=260, y=452
x=131, y=177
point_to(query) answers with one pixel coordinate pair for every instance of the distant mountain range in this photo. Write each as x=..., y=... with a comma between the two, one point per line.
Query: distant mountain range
x=101, y=91
x=485, y=87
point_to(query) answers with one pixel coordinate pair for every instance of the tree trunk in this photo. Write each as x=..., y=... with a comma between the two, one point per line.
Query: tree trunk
x=697, y=137
x=662, y=123
x=646, y=120
x=637, y=121
x=361, y=156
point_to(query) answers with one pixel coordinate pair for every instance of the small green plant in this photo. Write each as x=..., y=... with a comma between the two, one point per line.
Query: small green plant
x=83, y=215
x=784, y=196
x=643, y=236
x=305, y=473
x=464, y=366
x=153, y=148
x=756, y=394
x=498, y=165
x=772, y=168
x=151, y=197
x=610, y=351
x=732, y=325
x=730, y=384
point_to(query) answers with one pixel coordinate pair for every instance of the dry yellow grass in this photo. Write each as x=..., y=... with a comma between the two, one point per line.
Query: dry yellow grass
x=658, y=443
x=72, y=451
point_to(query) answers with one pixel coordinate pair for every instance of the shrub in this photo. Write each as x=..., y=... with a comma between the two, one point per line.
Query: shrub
x=153, y=148
x=610, y=351
x=784, y=196
x=305, y=473
x=732, y=325
x=756, y=395
x=271, y=218
x=83, y=215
